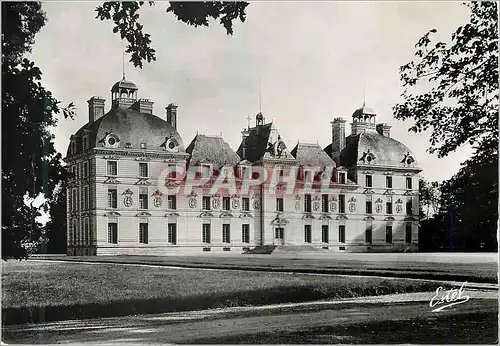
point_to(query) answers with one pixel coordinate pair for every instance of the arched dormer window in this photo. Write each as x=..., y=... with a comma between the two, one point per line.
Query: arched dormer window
x=110, y=140
x=408, y=159
x=367, y=157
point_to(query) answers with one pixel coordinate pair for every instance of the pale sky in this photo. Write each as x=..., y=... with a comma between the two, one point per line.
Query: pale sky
x=313, y=59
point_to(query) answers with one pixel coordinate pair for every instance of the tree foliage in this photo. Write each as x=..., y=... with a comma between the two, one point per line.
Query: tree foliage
x=125, y=16
x=429, y=198
x=28, y=110
x=460, y=104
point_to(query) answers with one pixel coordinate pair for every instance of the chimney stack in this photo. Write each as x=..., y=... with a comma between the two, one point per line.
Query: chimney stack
x=172, y=115
x=96, y=108
x=143, y=106
x=384, y=129
x=338, y=135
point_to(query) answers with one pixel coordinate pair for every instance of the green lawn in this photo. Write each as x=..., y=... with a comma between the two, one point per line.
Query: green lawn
x=35, y=290
x=437, y=266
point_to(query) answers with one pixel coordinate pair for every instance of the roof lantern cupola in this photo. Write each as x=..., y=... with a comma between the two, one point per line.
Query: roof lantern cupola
x=363, y=119
x=259, y=119
x=123, y=93
x=364, y=114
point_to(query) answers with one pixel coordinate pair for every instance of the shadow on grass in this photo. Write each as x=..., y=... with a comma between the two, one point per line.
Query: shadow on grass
x=200, y=302
x=477, y=328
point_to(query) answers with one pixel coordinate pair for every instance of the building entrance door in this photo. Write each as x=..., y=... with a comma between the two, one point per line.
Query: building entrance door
x=279, y=236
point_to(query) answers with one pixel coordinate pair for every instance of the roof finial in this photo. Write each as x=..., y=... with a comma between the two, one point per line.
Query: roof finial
x=364, y=91
x=123, y=60
x=260, y=95
x=248, y=121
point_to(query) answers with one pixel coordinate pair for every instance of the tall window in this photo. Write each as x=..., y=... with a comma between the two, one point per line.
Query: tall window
x=341, y=233
x=279, y=204
x=143, y=233
x=307, y=176
x=75, y=231
x=143, y=170
x=85, y=143
x=245, y=233
x=75, y=206
x=368, y=204
x=307, y=233
x=307, y=203
x=324, y=203
x=324, y=234
x=408, y=233
x=409, y=207
x=113, y=233
x=342, y=178
x=368, y=180
x=112, y=198
x=388, y=182
x=409, y=183
x=206, y=233
x=388, y=205
x=86, y=231
x=245, y=204
x=172, y=202
x=388, y=234
x=342, y=203
x=172, y=233
x=85, y=197
x=368, y=233
x=226, y=233
x=85, y=169
x=226, y=203
x=143, y=201
x=112, y=168
x=205, y=203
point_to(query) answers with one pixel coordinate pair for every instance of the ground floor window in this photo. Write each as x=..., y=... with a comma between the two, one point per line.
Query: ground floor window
x=226, y=233
x=143, y=233
x=388, y=234
x=279, y=233
x=113, y=233
x=245, y=233
x=342, y=233
x=368, y=234
x=172, y=233
x=307, y=233
x=206, y=233
x=408, y=233
x=324, y=234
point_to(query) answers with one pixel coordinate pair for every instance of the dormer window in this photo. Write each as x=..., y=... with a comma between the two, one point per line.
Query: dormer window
x=143, y=146
x=408, y=159
x=367, y=157
x=110, y=140
x=170, y=144
x=342, y=178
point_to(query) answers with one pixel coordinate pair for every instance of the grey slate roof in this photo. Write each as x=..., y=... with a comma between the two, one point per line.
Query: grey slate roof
x=387, y=151
x=212, y=150
x=129, y=126
x=256, y=143
x=311, y=154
